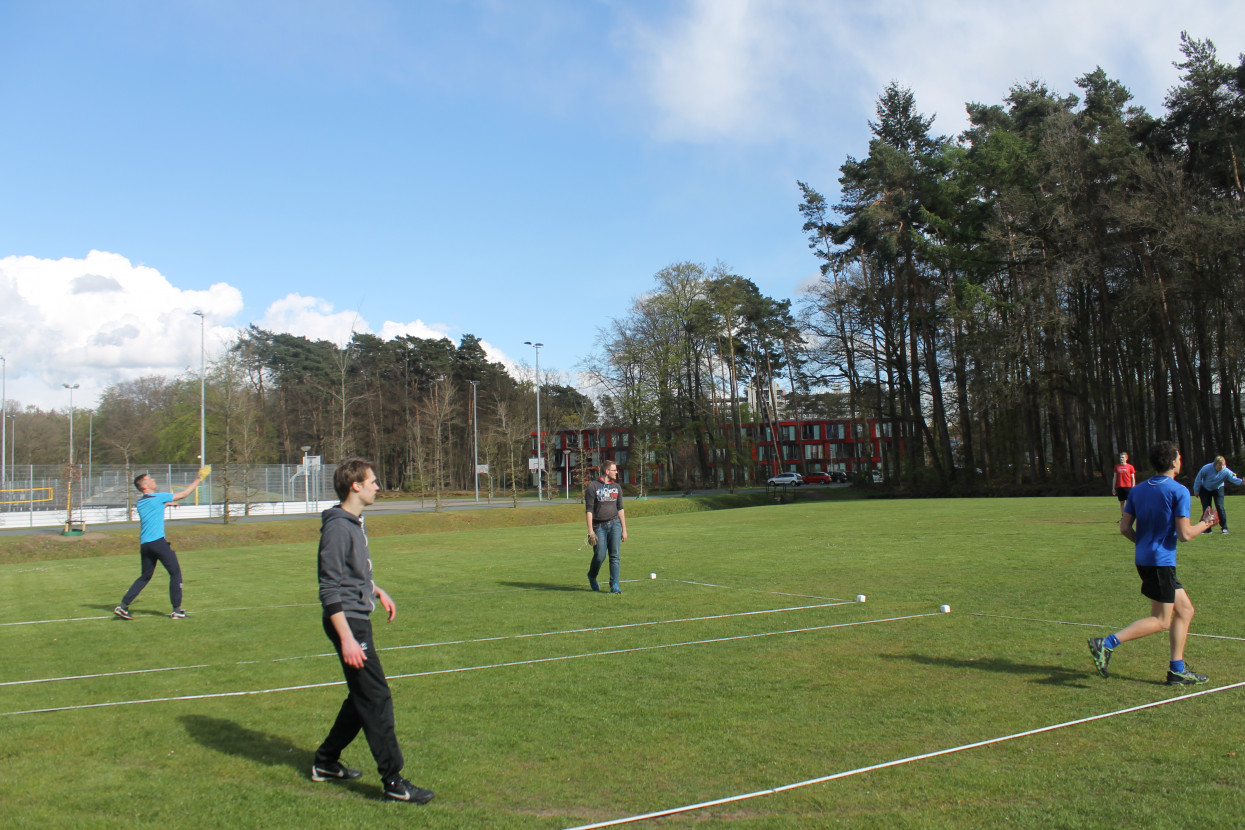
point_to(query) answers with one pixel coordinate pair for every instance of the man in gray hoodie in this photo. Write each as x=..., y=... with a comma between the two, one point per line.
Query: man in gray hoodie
x=348, y=596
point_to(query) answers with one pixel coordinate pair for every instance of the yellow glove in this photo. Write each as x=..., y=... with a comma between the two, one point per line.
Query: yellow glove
x=205, y=471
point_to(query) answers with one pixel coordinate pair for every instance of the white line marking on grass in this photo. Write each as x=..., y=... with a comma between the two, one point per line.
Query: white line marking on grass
x=461, y=669
x=41, y=622
x=434, y=644
x=102, y=674
x=910, y=759
x=618, y=626
x=757, y=590
x=1096, y=625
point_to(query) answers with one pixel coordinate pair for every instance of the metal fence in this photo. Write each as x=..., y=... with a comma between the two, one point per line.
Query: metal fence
x=44, y=495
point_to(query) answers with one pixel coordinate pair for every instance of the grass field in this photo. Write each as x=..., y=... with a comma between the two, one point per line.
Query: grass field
x=527, y=701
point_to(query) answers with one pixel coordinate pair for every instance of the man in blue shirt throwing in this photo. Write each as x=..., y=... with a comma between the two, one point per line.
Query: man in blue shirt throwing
x=1209, y=485
x=1155, y=515
x=153, y=547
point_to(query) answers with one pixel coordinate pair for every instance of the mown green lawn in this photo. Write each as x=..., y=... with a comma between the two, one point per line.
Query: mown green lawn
x=527, y=701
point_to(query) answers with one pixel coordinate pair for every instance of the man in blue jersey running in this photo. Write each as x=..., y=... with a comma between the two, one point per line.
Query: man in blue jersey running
x=153, y=547
x=1155, y=515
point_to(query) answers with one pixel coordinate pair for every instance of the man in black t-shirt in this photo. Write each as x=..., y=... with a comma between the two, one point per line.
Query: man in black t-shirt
x=607, y=524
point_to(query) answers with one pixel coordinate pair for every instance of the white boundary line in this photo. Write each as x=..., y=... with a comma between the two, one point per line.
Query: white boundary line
x=41, y=622
x=910, y=759
x=430, y=645
x=422, y=598
x=757, y=590
x=461, y=669
x=1094, y=625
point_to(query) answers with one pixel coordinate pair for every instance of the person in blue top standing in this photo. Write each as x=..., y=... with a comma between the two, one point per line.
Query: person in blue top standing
x=153, y=547
x=1209, y=485
x=1155, y=515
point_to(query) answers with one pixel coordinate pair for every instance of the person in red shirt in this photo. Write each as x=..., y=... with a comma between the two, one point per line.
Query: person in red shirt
x=1125, y=478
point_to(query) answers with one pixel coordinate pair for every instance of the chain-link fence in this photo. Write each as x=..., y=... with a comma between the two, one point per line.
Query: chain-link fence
x=43, y=495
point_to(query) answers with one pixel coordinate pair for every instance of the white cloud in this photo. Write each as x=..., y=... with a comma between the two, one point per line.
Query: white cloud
x=99, y=320
x=314, y=318
x=796, y=69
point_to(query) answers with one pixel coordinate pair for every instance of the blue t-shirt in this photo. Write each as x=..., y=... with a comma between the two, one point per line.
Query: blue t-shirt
x=151, y=516
x=1156, y=504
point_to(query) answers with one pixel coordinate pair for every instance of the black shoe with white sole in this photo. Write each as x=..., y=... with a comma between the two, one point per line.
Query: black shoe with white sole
x=333, y=772
x=399, y=789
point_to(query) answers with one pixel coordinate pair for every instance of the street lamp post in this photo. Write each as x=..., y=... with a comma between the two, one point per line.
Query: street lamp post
x=69, y=483
x=475, y=436
x=540, y=444
x=70, y=388
x=4, y=419
x=202, y=397
x=12, y=416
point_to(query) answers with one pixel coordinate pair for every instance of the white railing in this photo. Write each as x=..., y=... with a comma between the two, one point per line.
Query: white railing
x=112, y=515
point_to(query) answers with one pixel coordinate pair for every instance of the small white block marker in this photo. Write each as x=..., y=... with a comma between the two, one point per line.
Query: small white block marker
x=860, y=597
x=946, y=609
x=652, y=576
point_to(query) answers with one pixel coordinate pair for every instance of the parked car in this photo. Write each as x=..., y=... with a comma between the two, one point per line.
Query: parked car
x=818, y=478
x=839, y=475
x=786, y=479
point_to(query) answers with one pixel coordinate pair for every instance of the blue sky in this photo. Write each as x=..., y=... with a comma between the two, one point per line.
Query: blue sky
x=513, y=170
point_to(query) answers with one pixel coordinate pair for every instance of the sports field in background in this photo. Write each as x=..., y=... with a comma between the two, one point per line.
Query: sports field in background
x=747, y=666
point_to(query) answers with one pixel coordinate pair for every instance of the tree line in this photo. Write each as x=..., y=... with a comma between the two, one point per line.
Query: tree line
x=406, y=403
x=1054, y=285
x=1020, y=302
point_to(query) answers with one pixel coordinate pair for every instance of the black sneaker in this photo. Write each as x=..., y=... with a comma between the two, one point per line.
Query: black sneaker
x=399, y=789
x=1100, y=653
x=123, y=612
x=333, y=771
x=178, y=614
x=1188, y=677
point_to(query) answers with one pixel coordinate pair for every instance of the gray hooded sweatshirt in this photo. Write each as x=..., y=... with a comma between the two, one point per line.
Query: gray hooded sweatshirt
x=345, y=565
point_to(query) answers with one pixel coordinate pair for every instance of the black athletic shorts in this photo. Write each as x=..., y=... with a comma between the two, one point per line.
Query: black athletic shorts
x=1121, y=493
x=1158, y=582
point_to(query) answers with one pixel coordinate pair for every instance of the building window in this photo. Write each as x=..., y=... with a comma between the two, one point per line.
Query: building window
x=811, y=432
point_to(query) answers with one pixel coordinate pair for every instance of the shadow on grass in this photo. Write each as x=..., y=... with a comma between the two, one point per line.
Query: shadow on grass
x=1047, y=675
x=543, y=586
x=229, y=738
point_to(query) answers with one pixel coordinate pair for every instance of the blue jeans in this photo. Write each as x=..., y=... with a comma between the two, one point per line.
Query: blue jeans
x=1217, y=496
x=609, y=540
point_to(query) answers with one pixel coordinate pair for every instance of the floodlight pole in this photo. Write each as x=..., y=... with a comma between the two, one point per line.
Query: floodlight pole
x=70, y=388
x=202, y=396
x=69, y=476
x=4, y=419
x=475, y=436
x=540, y=444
